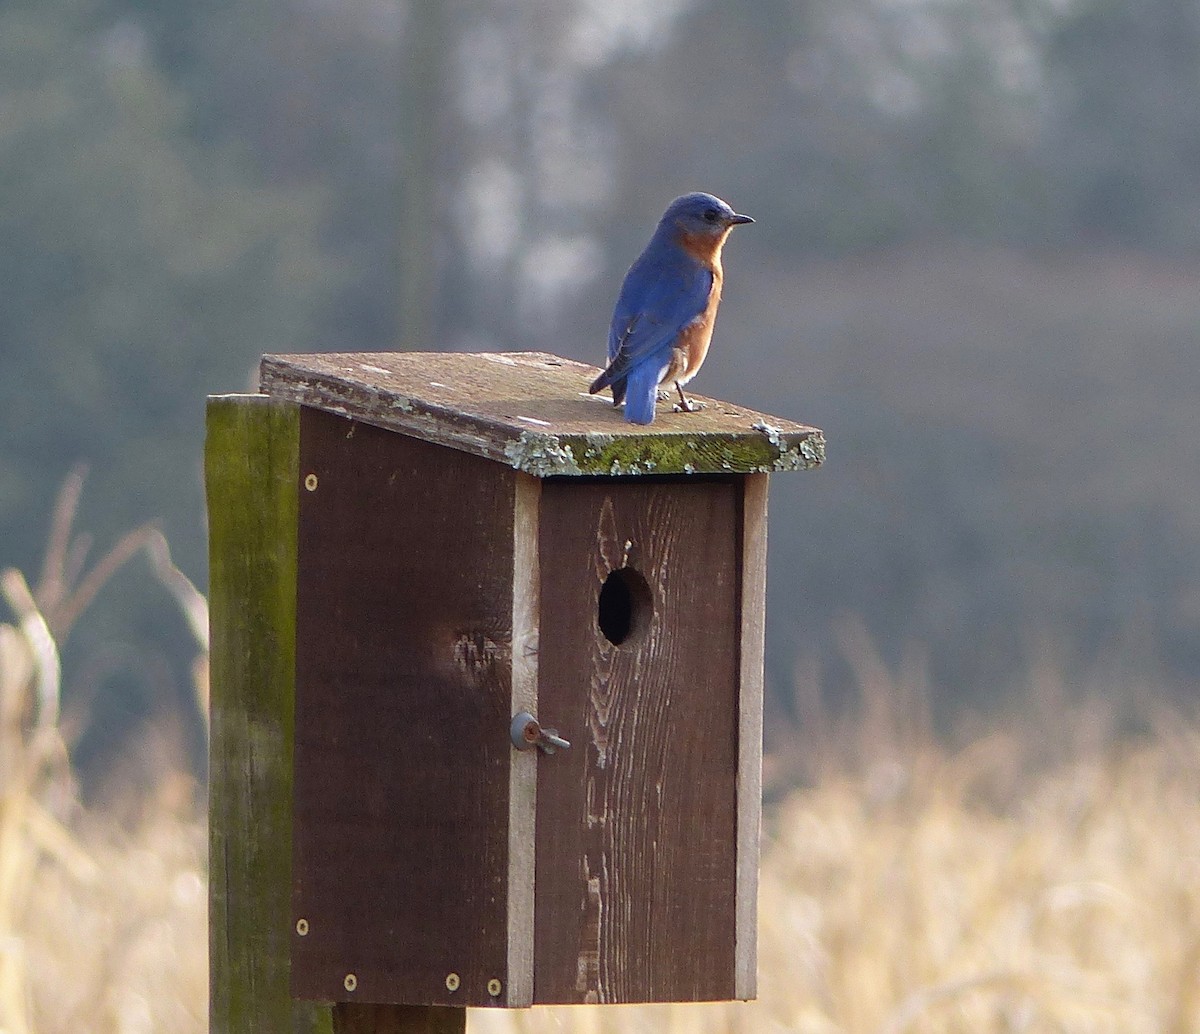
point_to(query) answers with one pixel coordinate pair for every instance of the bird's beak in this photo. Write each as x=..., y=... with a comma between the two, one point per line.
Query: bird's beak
x=735, y=219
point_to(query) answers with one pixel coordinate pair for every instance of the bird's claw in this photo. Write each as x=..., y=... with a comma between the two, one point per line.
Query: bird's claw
x=689, y=406
x=661, y=395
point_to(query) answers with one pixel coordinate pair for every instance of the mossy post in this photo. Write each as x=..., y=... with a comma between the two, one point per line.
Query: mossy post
x=486, y=692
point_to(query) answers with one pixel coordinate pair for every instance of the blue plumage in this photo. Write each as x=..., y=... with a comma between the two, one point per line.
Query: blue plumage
x=663, y=319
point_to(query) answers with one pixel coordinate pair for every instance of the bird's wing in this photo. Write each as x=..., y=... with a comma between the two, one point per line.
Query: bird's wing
x=654, y=306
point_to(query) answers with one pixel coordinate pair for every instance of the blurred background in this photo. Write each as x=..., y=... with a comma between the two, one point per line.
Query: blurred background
x=976, y=266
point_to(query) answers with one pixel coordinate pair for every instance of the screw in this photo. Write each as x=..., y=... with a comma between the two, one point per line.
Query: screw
x=351, y=982
x=302, y=927
x=494, y=987
x=526, y=733
x=550, y=741
x=452, y=982
x=310, y=482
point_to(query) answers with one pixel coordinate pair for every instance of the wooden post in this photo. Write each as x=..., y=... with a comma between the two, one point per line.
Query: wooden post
x=398, y=1019
x=251, y=458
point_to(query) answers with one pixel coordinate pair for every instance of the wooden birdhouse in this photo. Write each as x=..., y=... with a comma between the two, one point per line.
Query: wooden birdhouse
x=528, y=652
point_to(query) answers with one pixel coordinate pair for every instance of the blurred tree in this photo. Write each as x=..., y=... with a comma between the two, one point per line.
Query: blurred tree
x=1123, y=133
x=853, y=123
x=306, y=95
x=140, y=271
x=188, y=185
x=424, y=75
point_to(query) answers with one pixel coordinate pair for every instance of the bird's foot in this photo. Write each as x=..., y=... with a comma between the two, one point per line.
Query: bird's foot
x=662, y=395
x=685, y=404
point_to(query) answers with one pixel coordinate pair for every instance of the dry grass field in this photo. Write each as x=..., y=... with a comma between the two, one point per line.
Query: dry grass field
x=1038, y=870
x=1042, y=875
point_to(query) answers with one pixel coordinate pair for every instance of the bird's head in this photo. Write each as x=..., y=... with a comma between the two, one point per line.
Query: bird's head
x=699, y=215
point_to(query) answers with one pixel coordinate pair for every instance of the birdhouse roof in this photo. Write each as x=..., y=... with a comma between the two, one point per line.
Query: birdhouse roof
x=532, y=411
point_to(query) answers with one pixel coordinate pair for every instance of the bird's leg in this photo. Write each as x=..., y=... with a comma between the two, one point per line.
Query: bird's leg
x=685, y=404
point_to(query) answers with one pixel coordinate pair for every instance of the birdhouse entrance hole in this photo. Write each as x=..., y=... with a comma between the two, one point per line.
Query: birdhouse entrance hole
x=626, y=606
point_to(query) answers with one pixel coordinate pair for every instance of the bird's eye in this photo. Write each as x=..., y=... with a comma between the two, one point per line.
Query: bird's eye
x=710, y=215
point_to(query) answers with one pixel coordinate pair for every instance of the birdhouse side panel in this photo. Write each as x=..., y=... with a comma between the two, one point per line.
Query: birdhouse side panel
x=403, y=685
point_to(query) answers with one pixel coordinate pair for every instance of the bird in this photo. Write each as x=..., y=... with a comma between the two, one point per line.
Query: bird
x=663, y=321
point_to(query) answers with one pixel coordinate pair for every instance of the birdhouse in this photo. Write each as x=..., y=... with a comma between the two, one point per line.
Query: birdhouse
x=528, y=684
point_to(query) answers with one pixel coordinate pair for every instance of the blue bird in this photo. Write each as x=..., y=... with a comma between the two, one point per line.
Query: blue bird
x=663, y=321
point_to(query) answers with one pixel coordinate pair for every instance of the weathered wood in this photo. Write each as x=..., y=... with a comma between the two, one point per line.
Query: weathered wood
x=636, y=823
x=250, y=476
x=531, y=411
x=750, y=729
x=398, y=1019
x=403, y=687
x=522, y=796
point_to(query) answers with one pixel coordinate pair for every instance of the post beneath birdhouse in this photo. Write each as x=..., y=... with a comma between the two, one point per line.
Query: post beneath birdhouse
x=354, y=1018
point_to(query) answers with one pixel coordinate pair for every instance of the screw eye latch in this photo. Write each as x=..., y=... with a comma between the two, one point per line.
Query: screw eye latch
x=527, y=733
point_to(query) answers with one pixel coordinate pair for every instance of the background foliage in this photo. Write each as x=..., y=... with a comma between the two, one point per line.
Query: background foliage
x=975, y=265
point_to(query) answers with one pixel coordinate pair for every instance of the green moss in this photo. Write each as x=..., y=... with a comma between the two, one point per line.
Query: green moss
x=624, y=454
x=251, y=457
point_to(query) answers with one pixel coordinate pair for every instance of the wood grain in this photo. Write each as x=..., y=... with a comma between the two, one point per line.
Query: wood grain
x=636, y=825
x=403, y=690
x=522, y=796
x=750, y=729
x=250, y=479
x=531, y=411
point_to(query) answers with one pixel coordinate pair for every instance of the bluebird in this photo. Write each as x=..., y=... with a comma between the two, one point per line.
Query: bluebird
x=663, y=322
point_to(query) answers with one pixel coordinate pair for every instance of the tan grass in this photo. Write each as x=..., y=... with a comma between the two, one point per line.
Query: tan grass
x=101, y=928
x=906, y=898
x=910, y=899
x=1044, y=876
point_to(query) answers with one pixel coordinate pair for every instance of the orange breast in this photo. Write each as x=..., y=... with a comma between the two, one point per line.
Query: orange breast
x=695, y=338
x=691, y=346
x=705, y=248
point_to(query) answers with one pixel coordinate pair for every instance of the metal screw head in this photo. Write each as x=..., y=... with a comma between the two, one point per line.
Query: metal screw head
x=524, y=731
x=302, y=927
x=452, y=982
x=310, y=482
x=494, y=987
x=351, y=982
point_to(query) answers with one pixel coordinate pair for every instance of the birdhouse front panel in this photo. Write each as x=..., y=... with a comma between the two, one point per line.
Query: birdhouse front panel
x=639, y=667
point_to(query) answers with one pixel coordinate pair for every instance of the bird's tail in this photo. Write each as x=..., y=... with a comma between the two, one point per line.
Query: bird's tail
x=604, y=380
x=641, y=394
